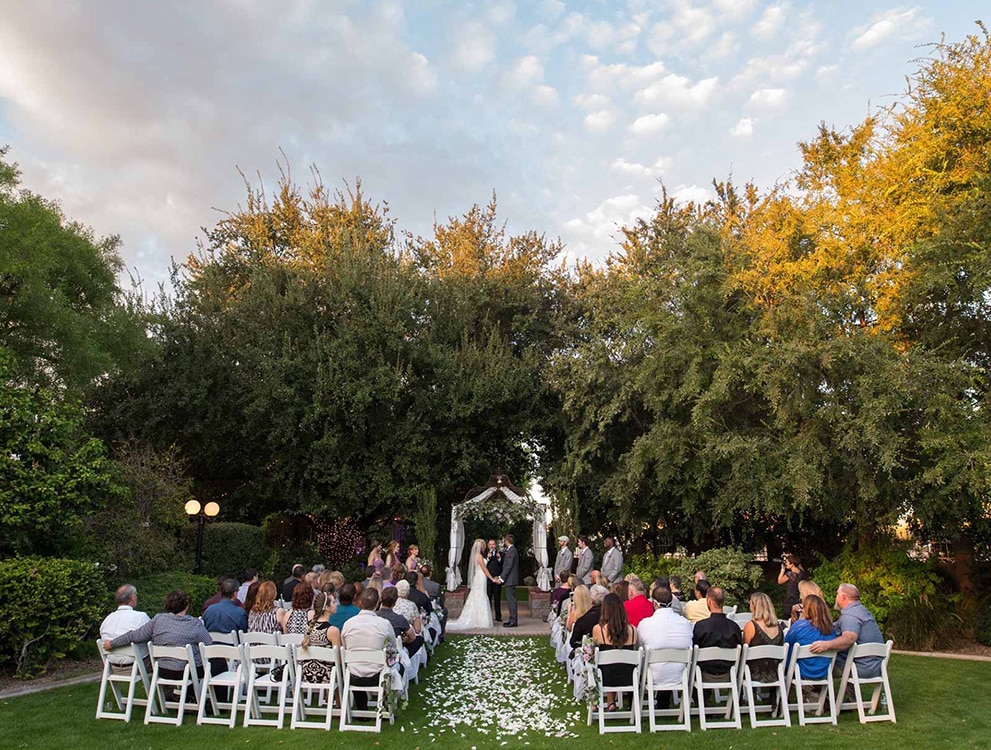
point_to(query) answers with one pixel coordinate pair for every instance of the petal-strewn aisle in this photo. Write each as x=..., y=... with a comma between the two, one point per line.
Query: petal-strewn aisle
x=496, y=688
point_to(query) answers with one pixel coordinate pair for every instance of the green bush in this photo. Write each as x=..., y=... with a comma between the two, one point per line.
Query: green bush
x=889, y=581
x=47, y=606
x=228, y=548
x=152, y=590
x=280, y=561
x=647, y=567
x=982, y=622
x=729, y=567
x=920, y=624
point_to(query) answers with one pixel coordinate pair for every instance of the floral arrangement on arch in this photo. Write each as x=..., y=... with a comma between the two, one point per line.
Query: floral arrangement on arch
x=494, y=508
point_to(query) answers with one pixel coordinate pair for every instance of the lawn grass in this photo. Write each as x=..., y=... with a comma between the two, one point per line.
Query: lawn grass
x=940, y=703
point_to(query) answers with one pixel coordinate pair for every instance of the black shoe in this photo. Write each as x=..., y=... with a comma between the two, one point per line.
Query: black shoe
x=509, y=624
x=498, y=619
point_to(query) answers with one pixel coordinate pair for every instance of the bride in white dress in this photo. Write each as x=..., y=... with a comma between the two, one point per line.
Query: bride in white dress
x=476, y=612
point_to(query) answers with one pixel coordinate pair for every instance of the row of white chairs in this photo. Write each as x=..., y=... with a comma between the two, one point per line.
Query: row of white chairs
x=255, y=673
x=740, y=687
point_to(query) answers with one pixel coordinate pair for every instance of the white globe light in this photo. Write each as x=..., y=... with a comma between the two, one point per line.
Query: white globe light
x=192, y=507
x=211, y=509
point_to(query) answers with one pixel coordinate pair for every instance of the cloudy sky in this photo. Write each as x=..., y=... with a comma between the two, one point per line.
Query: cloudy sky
x=136, y=114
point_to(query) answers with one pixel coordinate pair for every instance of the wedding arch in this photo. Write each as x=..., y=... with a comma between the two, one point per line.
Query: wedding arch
x=500, y=501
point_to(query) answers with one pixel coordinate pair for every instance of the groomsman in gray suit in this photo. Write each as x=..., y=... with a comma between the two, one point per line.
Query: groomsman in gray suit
x=510, y=578
x=612, y=561
x=585, y=561
x=564, y=559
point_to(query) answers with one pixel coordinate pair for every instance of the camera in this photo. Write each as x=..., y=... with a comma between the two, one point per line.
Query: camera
x=778, y=560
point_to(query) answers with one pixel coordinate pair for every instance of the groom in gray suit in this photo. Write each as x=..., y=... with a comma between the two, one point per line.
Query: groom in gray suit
x=510, y=577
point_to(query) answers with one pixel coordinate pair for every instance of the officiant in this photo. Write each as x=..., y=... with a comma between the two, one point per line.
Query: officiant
x=493, y=561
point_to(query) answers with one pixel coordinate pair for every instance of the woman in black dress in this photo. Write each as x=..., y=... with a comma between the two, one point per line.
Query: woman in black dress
x=791, y=573
x=614, y=632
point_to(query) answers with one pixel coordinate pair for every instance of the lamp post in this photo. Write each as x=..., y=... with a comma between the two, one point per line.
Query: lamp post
x=194, y=510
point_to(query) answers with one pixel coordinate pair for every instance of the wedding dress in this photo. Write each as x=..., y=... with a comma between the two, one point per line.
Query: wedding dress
x=476, y=612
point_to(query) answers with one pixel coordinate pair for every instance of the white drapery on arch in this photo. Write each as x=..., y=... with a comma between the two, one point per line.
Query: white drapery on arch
x=502, y=502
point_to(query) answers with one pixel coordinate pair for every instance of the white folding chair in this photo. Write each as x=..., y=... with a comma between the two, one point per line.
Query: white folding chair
x=289, y=639
x=741, y=619
x=825, y=685
x=225, y=639
x=156, y=690
x=881, y=693
x=731, y=610
x=267, y=678
x=703, y=682
x=749, y=685
x=232, y=678
x=376, y=693
x=133, y=675
x=325, y=692
x=681, y=689
x=258, y=639
x=632, y=717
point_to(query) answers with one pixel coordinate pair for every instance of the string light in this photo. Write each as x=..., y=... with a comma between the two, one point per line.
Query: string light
x=338, y=540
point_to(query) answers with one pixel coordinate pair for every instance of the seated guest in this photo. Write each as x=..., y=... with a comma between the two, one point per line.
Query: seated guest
x=310, y=579
x=368, y=631
x=716, y=630
x=217, y=597
x=122, y=620
x=375, y=582
x=249, y=598
x=398, y=572
x=763, y=630
x=587, y=622
x=301, y=610
x=659, y=582
x=581, y=602
x=620, y=589
x=814, y=625
x=598, y=579
x=700, y=576
x=319, y=632
x=665, y=629
x=806, y=587
x=249, y=577
x=298, y=572
x=612, y=632
x=562, y=592
x=264, y=616
x=345, y=606
x=226, y=615
x=417, y=594
x=698, y=609
x=637, y=607
x=172, y=627
x=675, y=585
x=403, y=627
x=855, y=625
x=405, y=606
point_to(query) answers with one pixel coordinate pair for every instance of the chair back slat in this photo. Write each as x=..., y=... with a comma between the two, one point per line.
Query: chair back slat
x=778, y=653
x=263, y=639
x=669, y=656
x=618, y=656
x=882, y=650
x=372, y=656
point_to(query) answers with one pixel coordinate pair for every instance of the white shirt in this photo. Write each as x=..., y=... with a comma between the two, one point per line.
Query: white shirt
x=665, y=629
x=123, y=620
x=366, y=630
x=242, y=591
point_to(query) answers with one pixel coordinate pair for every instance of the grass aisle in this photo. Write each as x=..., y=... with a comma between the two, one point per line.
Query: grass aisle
x=485, y=692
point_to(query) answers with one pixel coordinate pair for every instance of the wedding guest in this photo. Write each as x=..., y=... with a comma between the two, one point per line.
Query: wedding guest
x=661, y=582
x=403, y=627
x=665, y=629
x=581, y=602
x=122, y=620
x=562, y=592
x=806, y=587
x=301, y=610
x=700, y=576
x=251, y=595
x=218, y=596
x=375, y=582
x=675, y=585
x=763, y=630
x=855, y=625
x=365, y=630
x=226, y=615
x=298, y=572
x=621, y=589
x=613, y=631
x=716, y=630
x=406, y=607
x=397, y=573
x=310, y=579
x=586, y=561
x=412, y=557
x=336, y=577
x=637, y=606
x=319, y=632
x=585, y=623
x=417, y=594
x=815, y=624
x=612, y=560
x=698, y=609
x=249, y=577
x=265, y=616
x=345, y=606
x=599, y=580
x=565, y=557
x=791, y=573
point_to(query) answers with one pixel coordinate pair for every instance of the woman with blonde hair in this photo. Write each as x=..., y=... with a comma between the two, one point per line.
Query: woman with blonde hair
x=581, y=602
x=763, y=630
x=806, y=587
x=264, y=616
x=412, y=557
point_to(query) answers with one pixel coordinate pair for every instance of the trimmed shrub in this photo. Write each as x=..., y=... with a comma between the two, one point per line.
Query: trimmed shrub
x=647, y=567
x=280, y=561
x=47, y=606
x=729, y=567
x=228, y=548
x=152, y=590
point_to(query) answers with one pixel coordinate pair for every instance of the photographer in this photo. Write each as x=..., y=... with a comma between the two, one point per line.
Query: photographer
x=791, y=573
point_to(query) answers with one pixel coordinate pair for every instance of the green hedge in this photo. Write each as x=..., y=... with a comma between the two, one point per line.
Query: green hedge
x=278, y=565
x=47, y=606
x=152, y=590
x=228, y=548
x=731, y=568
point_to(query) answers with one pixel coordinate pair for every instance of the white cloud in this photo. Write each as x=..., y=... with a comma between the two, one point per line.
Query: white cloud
x=771, y=21
x=544, y=95
x=600, y=121
x=591, y=102
x=734, y=9
x=826, y=72
x=619, y=75
x=744, y=127
x=768, y=98
x=691, y=193
x=905, y=22
x=475, y=47
x=500, y=12
x=596, y=231
x=526, y=71
x=689, y=26
x=649, y=124
x=677, y=92
x=635, y=169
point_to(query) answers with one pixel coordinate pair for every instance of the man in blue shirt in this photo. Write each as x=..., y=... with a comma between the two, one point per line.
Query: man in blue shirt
x=855, y=625
x=345, y=606
x=225, y=615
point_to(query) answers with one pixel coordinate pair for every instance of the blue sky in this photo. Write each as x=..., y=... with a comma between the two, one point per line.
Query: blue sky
x=136, y=115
